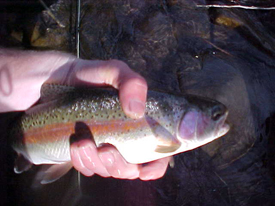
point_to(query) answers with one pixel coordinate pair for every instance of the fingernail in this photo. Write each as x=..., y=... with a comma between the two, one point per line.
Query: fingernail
x=136, y=107
x=107, y=158
x=149, y=176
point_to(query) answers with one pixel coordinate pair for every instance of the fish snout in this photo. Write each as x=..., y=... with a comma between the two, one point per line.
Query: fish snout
x=219, y=115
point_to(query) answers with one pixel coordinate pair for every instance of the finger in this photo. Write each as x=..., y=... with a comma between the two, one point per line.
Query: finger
x=132, y=87
x=115, y=164
x=132, y=95
x=77, y=162
x=87, y=160
x=154, y=170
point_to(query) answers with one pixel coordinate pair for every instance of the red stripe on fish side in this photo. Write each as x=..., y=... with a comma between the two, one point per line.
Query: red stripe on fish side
x=57, y=132
x=49, y=133
x=116, y=126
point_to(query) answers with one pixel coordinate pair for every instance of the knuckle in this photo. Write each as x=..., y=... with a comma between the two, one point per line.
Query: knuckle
x=117, y=63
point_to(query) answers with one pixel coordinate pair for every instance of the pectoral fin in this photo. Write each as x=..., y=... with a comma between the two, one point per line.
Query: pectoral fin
x=49, y=174
x=167, y=148
x=167, y=142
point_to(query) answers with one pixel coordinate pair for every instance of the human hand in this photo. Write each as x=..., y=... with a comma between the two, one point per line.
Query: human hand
x=22, y=75
x=106, y=161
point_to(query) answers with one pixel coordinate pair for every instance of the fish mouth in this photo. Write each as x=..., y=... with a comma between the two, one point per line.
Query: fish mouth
x=223, y=127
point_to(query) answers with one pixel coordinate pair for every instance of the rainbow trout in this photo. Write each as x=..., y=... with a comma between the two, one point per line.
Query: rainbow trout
x=172, y=124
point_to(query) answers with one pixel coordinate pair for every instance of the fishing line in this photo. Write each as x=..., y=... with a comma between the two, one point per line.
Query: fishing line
x=50, y=13
x=78, y=10
x=235, y=6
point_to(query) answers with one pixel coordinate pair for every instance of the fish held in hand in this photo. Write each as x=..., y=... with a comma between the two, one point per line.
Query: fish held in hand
x=172, y=124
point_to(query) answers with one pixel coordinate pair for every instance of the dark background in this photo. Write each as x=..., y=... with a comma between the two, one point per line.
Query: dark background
x=225, y=54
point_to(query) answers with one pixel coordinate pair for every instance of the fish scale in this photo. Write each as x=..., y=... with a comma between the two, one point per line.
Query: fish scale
x=171, y=124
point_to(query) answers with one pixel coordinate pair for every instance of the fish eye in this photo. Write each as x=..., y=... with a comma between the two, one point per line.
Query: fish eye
x=217, y=112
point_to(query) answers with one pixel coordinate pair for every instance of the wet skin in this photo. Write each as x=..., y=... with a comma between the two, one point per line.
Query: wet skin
x=21, y=81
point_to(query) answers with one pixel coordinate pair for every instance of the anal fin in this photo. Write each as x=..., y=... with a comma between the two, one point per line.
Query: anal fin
x=21, y=164
x=51, y=173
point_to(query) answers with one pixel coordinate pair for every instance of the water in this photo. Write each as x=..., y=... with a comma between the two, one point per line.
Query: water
x=225, y=54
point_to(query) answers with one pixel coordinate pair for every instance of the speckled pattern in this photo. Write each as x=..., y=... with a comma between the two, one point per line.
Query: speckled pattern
x=43, y=134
